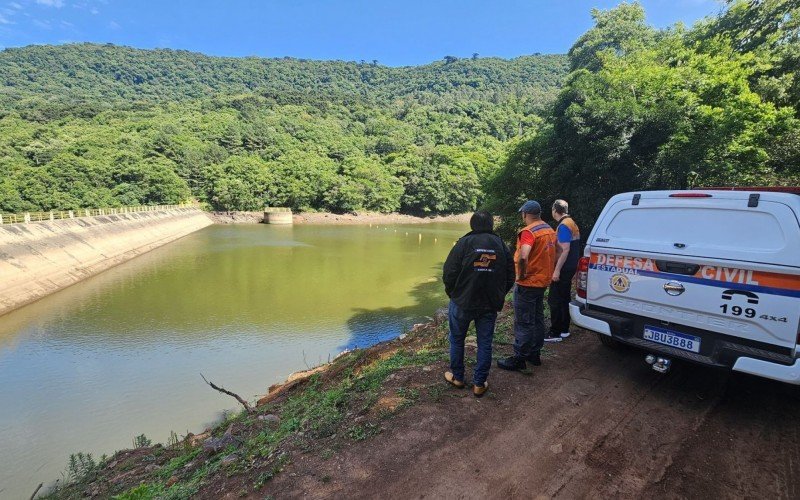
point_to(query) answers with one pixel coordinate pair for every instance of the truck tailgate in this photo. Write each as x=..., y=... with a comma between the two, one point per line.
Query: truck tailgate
x=738, y=301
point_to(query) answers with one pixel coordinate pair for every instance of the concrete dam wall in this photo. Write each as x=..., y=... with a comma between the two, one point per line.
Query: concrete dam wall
x=39, y=258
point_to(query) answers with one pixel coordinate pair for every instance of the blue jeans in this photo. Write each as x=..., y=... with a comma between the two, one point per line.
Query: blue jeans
x=528, y=320
x=484, y=327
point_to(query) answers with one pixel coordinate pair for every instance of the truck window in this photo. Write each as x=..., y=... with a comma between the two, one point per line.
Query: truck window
x=699, y=227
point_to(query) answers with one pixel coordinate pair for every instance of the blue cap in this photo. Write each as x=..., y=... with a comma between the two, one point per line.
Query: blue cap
x=531, y=207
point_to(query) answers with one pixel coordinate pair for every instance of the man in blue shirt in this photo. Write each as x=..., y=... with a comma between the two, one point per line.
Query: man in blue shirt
x=568, y=250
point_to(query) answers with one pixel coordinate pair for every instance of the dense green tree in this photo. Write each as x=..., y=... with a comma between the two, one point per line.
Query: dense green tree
x=240, y=133
x=618, y=31
x=675, y=108
x=86, y=78
x=238, y=183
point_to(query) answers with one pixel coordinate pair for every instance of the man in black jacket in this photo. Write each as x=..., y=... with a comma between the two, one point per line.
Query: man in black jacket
x=477, y=275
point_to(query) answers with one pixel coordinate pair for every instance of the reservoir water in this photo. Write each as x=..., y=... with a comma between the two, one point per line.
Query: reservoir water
x=120, y=354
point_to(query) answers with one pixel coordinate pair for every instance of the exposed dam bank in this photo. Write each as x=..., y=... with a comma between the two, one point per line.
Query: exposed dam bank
x=39, y=258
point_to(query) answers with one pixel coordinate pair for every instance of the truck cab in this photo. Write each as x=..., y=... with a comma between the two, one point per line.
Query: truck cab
x=709, y=276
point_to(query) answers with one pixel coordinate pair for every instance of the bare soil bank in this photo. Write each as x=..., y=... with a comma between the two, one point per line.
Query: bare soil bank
x=329, y=218
x=381, y=422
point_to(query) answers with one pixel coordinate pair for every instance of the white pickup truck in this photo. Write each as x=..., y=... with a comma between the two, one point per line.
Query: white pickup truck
x=709, y=276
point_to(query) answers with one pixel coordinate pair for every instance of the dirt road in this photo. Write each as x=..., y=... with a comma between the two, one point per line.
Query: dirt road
x=590, y=422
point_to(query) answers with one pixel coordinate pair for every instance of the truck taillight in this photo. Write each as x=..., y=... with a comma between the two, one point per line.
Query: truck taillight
x=690, y=195
x=582, y=277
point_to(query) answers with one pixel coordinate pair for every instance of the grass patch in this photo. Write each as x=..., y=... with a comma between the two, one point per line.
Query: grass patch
x=409, y=394
x=504, y=333
x=315, y=410
x=189, y=488
x=435, y=392
x=319, y=411
x=178, y=463
x=141, y=492
x=361, y=432
x=267, y=476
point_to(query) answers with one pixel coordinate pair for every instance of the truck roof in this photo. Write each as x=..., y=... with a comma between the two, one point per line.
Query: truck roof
x=787, y=195
x=768, y=189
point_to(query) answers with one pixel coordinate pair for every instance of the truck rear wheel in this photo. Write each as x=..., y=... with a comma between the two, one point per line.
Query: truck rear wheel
x=608, y=341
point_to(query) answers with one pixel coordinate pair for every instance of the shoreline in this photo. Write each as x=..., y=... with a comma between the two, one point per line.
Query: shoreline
x=336, y=219
x=131, y=471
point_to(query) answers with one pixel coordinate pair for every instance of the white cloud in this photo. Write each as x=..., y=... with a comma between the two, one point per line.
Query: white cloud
x=86, y=6
x=10, y=11
x=51, y=3
x=114, y=25
x=42, y=24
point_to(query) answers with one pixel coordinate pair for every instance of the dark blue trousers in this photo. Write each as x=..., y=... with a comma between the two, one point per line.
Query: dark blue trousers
x=528, y=320
x=484, y=327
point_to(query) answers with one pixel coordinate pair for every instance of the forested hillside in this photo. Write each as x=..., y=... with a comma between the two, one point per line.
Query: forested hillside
x=112, y=72
x=717, y=104
x=97, y=125
x=631, y=107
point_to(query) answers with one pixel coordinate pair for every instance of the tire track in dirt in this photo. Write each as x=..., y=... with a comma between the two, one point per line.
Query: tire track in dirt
x=640, y=445
x=748, y=446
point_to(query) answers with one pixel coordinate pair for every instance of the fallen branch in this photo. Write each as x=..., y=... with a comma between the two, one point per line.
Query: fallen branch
x=37, y=490
x=238, y=398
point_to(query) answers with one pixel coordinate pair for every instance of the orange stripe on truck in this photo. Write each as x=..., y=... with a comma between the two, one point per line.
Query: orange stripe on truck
x=632, y=265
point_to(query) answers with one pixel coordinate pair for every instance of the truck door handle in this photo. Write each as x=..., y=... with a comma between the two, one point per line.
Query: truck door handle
x=666, y=266
x=674, y=288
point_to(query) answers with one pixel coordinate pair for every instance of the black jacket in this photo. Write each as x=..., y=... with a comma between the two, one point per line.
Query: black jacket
x=479, y=271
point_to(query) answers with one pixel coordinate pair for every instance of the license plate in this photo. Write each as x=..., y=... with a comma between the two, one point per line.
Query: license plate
x=672, y=339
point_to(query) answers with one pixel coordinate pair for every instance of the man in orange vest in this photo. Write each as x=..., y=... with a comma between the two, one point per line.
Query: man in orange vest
x=534, y=260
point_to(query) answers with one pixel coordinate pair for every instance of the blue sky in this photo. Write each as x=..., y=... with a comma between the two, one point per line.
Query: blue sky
x=399, y=32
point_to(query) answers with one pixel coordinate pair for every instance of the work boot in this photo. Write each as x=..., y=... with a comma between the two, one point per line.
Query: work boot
x=534, y=358
x=511, y=363
x=480, y=390
x=452, y=380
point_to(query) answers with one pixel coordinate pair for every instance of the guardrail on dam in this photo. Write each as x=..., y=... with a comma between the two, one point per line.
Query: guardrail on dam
x=28, y=217
x=39, y=258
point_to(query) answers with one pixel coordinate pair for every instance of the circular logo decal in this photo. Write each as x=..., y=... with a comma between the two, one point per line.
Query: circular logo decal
x=620, y=283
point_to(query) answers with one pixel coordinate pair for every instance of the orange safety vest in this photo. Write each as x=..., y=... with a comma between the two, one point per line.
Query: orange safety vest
x=542, y=259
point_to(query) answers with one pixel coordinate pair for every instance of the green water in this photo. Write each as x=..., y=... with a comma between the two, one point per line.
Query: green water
x=121, y=354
